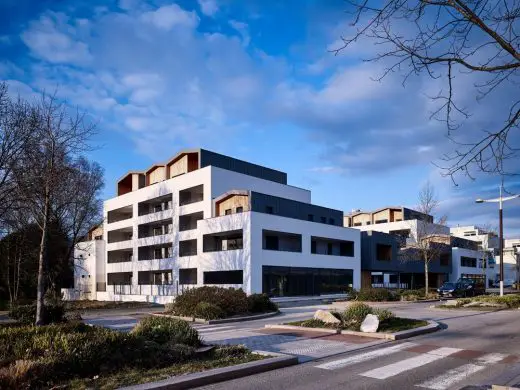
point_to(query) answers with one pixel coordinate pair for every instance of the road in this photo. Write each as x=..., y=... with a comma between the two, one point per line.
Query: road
x=473, y=348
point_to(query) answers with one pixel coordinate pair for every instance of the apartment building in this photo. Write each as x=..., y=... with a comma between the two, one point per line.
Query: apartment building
x=389, y=236
x=202, y=218
x=511, y=260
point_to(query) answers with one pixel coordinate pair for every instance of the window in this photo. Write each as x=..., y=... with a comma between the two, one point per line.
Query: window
x=227, y=212
x=468, y=262
x=368, y=222
x=469, y=234
x=310, y=217
x=157, y=208
x=271, y=242
x=224, y=277
x=323, y=219
x=331, y=221
x=269, y=209
x=445, y=259
x=357, y=224
x=329, y=248
x=384, y=252
x=157, y=253
x=382, y=221
x=240, y=209
x=313, y=246
x=346, y=248
x=187, y=275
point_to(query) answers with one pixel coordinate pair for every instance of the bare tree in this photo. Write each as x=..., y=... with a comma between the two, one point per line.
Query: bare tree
x=45, y=172
x=428, y=238
x=17, y=123
x=447, y=39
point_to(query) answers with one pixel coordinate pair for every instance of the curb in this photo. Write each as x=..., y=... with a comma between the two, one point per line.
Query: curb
x=498, y=387
x=220, y=374
x=221, y=321
x=404, y=334
x=300, y=328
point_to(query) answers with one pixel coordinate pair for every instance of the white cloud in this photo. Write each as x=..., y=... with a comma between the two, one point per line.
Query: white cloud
x=243, y=29
x=208, y=7
x=169, y=16
x=52, y=39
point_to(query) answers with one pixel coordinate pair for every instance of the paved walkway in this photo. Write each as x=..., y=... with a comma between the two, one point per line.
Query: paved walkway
x=305, y=345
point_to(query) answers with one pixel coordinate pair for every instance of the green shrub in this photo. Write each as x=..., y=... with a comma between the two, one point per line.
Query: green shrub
x=383, y=314
x=376, y=295
x=208, y=311
x=230, y=300
x=260, y=303
x=167, y=330
x=354, y=315
x=26, y=314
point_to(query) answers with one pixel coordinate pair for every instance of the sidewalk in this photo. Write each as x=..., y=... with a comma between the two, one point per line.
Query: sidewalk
x=302, y=344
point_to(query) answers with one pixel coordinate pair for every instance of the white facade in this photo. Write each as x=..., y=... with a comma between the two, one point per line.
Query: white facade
x=511, y=260
x=157, y=254
x=470, y=264
x=416, y=228
x=487, y=240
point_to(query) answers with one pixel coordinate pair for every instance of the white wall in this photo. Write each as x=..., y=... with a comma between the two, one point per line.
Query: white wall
x=260, y=257
x=412, y=225
x=457, y=269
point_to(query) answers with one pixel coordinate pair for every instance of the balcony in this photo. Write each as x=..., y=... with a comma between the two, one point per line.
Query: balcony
x=120, y=214
x=155, y=205
x=281, y=241
x=154, y=229
x=119, y=235
x=120, y=256
x=332, y=247
x=187, y=248
x=155, y=252
x=223, y=241
x=189, y=221
x=191, y=195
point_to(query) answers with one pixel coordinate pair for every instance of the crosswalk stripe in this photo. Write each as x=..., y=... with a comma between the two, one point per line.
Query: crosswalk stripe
x=364, y=356
x=455, y=375
x=409, y=364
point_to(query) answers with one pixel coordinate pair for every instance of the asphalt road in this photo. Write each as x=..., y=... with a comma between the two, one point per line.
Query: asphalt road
x=474, y=348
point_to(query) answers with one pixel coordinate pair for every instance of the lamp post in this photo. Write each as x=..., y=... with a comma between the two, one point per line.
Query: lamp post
x=500, y=200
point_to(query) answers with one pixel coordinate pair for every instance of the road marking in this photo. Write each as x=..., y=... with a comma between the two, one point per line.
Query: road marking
x=409, y=364
x=364, y=357
x=201, y=330
x=458, y=374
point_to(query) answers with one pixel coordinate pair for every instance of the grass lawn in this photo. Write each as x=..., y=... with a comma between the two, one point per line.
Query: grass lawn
x=138, y=376
x=391, y=325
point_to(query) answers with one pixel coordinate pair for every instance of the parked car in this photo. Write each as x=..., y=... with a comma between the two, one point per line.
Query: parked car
x=507, y=283
x=462, y=288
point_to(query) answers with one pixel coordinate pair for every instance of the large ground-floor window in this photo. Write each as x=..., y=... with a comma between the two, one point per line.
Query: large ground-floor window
x=292, y=281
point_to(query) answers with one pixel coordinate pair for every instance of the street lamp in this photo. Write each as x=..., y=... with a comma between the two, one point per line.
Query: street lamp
x=500, y=200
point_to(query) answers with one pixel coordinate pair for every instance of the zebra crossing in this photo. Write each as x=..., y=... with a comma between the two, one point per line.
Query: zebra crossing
x=423, y=355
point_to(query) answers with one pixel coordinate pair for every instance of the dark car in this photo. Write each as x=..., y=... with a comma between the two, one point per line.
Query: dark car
x=463, y=288
x=448, y=290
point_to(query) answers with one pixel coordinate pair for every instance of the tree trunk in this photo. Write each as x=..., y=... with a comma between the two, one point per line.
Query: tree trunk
x=42, y=264
x=426, y=284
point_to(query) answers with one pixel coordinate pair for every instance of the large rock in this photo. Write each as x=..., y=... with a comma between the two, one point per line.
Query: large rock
x=326, y=317
x=370, y=324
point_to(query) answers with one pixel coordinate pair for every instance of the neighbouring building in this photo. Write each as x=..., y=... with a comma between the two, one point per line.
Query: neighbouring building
x=511, y=260
x=388, y=259
x=202, y=218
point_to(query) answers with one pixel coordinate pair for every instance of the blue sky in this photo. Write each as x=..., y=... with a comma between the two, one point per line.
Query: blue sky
x=255, y=80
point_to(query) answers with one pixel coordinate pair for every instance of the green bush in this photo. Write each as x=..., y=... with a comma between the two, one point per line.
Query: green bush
x=26, y=314
x=383, y=314
x=260, y=303
x=230, y=300
x=49, y=354
x=376, y=295
x=354, y=315
x=208, y=311
x=164, y=330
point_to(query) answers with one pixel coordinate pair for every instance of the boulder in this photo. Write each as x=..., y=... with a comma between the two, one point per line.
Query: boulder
x=326, y=317
x=370, y=324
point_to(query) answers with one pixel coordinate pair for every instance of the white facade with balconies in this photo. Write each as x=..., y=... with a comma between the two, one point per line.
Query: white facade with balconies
x=168, y=231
